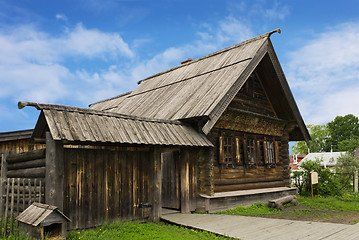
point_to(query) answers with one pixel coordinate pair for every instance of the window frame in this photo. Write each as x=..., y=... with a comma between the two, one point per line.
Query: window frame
x=248, y=150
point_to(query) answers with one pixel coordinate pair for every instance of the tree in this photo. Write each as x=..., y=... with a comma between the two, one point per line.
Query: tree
x=349, y=163
x=342, y=129
x=341, y=134
x=319, y=135
x=348, y=145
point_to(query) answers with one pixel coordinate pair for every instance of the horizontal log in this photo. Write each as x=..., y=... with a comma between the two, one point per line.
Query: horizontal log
x=220, y=182
x=234, y=176
x=26, y=156
x=278, y=203
x=28, y=164
x=27, y=173
x=248, y=186
x=248, y=171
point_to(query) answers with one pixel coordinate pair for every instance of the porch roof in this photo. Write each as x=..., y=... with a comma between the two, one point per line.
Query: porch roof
x=72, y=124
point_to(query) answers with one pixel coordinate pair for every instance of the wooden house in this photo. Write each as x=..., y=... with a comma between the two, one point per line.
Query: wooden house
x=294, y=160
x=17, y=141
x=209, y=134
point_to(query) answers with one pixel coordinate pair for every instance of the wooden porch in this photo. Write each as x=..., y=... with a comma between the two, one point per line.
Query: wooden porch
x=228, y=200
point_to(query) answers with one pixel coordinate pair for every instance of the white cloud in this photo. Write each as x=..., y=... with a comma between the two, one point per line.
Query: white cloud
x=93, y=43
x=31, y=61
x=325, y=72
x=61, y=17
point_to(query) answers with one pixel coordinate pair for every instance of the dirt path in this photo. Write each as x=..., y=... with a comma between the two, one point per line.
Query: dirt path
x=304, y=213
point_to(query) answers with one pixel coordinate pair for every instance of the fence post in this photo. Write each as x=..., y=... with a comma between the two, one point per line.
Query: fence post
x=355, y=185
x=3, y=178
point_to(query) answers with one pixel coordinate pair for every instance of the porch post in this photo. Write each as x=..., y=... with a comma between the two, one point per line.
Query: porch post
x=156, y=184
x=184, y=165
x=54, y=178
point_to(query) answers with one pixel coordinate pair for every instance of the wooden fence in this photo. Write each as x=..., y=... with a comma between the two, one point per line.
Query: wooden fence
x=21, y=184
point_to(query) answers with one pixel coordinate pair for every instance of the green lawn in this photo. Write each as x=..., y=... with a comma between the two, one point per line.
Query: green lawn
x=134, y=230
x=324, y=209
x=131, y=230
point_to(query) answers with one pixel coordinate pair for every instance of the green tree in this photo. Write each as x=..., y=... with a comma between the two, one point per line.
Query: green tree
x=348, y=145
x=342, y=130
x=349, y=163
x=319, y=135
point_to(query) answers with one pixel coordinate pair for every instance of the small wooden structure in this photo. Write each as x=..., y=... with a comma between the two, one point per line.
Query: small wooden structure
x=18, y=141
x=208, y=134
x=43, y=220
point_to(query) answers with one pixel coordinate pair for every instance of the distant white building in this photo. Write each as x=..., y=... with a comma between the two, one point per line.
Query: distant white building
x=327, y=159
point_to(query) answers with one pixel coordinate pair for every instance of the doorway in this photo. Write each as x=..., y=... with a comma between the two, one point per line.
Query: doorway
x=171, y=191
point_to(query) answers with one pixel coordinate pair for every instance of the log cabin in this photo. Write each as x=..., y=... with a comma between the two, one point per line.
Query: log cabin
x=17, y=141
x=207, y=135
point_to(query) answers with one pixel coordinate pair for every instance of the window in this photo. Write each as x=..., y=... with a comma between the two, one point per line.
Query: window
x=251, y=153
x=270, y=152
x=228, y=149
x=230, y=153
x=238, y=149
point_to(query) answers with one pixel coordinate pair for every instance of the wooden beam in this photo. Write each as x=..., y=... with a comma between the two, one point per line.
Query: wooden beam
x=36, y=172
x=54, y=178
x=184, y=165
x=156, y=184
x=26, y=156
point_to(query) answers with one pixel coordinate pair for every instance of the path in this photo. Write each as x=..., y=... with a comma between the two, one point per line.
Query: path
x=248, y=228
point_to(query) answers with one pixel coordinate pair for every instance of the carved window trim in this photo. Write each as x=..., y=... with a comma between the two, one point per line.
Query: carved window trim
x=248, y=150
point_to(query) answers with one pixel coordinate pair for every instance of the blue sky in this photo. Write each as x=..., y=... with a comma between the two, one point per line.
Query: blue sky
x=78, y=52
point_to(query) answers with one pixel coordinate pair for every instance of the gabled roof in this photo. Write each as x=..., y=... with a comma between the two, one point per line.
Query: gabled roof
x=190, y=90
x=203, y=88
x=72, y=124
x=36, y=213
x=326, y=158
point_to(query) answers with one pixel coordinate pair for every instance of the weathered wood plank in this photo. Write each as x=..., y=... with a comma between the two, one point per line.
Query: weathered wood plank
x=54, y=178
x=184, y=165
x=156, y=184
x=248, y=186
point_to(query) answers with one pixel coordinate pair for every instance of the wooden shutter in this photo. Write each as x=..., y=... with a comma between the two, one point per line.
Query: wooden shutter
x=238, y=152
x=276, y=151
x=258, y=153
x=265, y=149
x=245, y=150
x=221, y=150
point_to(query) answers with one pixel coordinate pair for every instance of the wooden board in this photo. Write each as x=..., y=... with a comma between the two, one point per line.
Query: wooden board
x=103, y=185
x=170, y=181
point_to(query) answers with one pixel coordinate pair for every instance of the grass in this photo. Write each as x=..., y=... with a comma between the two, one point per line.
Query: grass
x=324, y=209
x=135, y=230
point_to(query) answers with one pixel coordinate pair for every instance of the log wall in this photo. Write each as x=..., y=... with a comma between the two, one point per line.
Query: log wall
x=250, y=114
x=19, y=146
x=27, y=164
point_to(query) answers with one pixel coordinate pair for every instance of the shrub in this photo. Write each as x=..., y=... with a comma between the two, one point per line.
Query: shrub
x=331, y=183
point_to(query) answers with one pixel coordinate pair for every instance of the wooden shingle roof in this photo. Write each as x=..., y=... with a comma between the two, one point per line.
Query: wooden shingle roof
x=36, y=213
x=189, y=90
x=72, y=124
x=203, y=88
